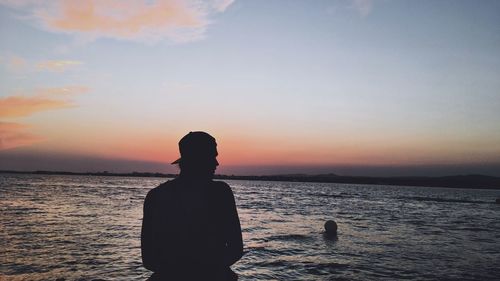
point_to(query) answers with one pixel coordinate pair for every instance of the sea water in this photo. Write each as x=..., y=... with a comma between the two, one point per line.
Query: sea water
x=88, y=227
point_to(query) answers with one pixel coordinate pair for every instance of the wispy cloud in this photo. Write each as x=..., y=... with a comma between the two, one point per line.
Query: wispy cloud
x=21, y=105
x=15, y=106
x=61, y=91
x=222, y=5
x=174, y=20
x=15, y=134
x=17, y=64
x=44, y=99
x=364, y=7
x=57, y=65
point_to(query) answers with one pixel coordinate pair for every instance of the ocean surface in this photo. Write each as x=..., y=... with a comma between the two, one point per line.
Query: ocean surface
x=87, y=228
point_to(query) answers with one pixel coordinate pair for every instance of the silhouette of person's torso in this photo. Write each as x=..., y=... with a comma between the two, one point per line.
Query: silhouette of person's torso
x=191, y=230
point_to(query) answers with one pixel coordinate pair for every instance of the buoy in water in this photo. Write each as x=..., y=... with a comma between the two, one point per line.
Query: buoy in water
x=331, y=227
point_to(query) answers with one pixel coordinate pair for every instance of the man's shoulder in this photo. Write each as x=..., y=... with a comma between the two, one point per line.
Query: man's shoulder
x=222, y=187
x=163, y=187
x=221, y=184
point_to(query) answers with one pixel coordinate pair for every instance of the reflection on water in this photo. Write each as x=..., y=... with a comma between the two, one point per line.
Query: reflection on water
x=84, y=228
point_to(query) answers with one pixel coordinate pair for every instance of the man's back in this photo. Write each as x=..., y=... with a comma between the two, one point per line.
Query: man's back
x=191, y=227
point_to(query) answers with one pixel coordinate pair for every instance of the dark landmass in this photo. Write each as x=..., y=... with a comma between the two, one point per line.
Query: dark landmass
x=457, y=181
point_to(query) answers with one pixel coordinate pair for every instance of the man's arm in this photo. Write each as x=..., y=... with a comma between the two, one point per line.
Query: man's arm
x=147, y=234
x=234, y=241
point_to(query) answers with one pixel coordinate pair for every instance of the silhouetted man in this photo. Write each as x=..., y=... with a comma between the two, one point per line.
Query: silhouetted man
x=191, y=229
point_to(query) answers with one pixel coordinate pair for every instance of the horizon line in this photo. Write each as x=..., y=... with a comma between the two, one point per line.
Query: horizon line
x=332, y=174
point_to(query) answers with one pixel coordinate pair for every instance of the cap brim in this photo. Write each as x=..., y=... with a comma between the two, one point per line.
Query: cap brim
x=176, y=161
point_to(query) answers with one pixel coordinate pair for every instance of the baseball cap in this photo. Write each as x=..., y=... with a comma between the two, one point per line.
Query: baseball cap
x=197, y=145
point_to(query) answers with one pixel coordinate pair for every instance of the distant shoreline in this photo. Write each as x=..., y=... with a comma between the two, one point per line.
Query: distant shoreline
x=455, y=181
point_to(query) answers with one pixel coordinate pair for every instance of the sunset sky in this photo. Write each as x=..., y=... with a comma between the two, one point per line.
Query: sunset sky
x=361, y=87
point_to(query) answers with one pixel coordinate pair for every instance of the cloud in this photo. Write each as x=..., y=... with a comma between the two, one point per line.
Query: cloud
x=18, y=64
x=57, y=65
x=139, y=20
x=61, y=91
x=15, y=63
x=364, y=7
x=222, y=5
x=14, y=135
x=44, y=99
x=24, y=106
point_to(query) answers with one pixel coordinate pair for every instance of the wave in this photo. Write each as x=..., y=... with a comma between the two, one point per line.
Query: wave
x=326, y=195
x=287, y=237
x=437, y=199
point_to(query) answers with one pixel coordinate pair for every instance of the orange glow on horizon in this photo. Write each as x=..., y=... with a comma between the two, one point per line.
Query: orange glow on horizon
x=235, y=151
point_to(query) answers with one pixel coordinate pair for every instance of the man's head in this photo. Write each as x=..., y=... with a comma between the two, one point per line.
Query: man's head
x=198, y=154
